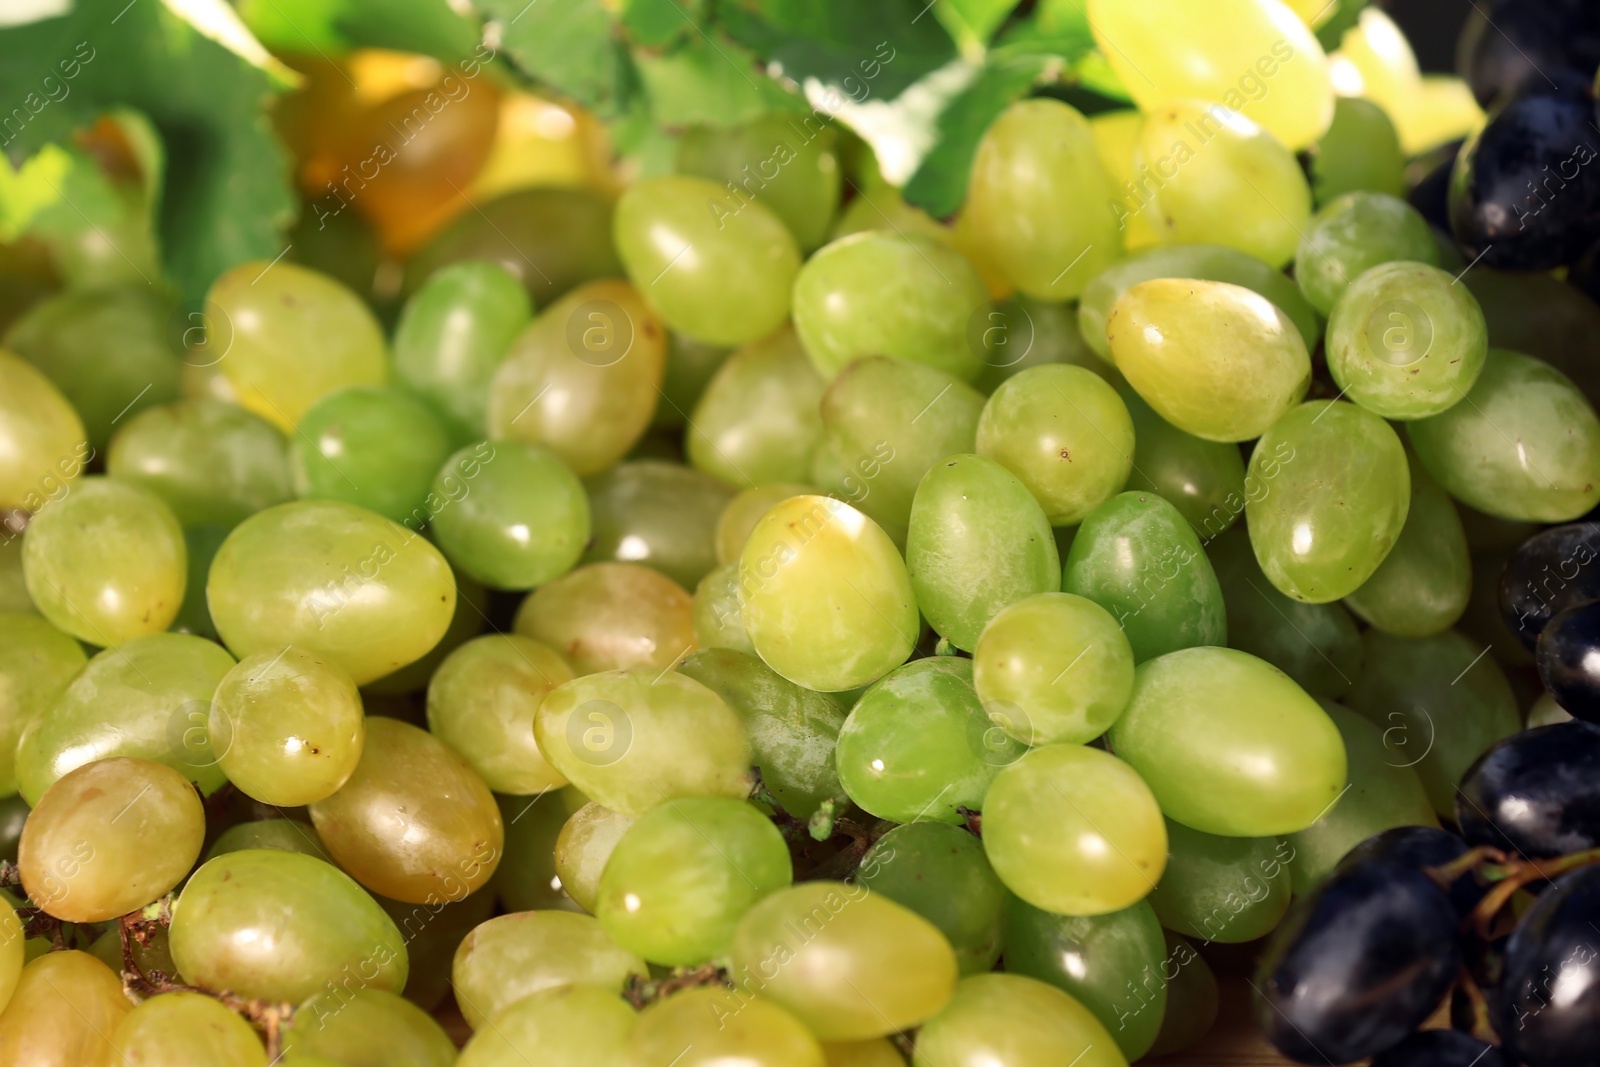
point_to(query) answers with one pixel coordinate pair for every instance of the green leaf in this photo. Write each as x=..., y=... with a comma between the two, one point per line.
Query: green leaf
x=655, y=23
x=940, y=183
x=1055, y=27
x=709, y=82
x=973, y=22
x=230, y=198
x=572, y=46
x=431, y=27
x=1331, y=33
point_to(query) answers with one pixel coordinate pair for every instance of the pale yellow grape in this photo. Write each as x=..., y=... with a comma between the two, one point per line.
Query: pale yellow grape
x=12, y=951
x=66, y=1006
x=1116, y=138
x=583, y=847
x=611, y=616
x=1384, y=67
x=1444, y=110
x=745, y=510
x=42, y=442
x=517, y=955
x=710, y=1027
x=879, y=1052
x=185, y=1030
x=1313, y=12
x=563, y=1026
x=1006, y=1020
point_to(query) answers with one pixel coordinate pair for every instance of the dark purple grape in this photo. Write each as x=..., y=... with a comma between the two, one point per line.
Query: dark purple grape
x=1525, y=191
x=1536, y=793
x=1549, y=1000
x=1514, y=47
x=1358, y=964
x=1440, y=1048
x=1551, y=571
x=1568, y=655
x=1418, y=847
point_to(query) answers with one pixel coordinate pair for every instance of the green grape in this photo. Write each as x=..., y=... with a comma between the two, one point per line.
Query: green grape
x=1318, y=645
x=1336, y=490
x=1032, y=647
x=941, y=873
x=848, y=963
x=634, y=739
x=611, y=616
x=12, y=950
x=583, y=848
x=1546, y=712
x=414, y=822
x=1529, y=311
x=595, y=357
x=1525, y=444
x=367, y=1028
x=785, y=165
x=1209, y=175
x=565, y=1026
x=1222, y=889
x=1423, y=584
x=482, y=700
x=36, y=663
x=919, y=744
x=717, y=622
x=793, y=731
x=433, y=932
x=708, y=1027
x=1074, y=830
x=1384, y=793
x=213, y=463
x=42, y=442
x=292, y=336
x=185, y=1030
x=452, y=335
x=690, y=367
x=62, y=1014
x=106, y=562
x=879, y=1052
x=68, y=337
x=1137, y=557
x=888, y=422
x=977, y=542
x=663, y=515
x=720, y=275
x=825, y=596
x=1193, y=998
x=1016, y=1021
x=880, y=294
x=1021, y=332
x=759, y=417
x=1229, y=744
x=1353, y=234
x=333, y=579
x=1359, y=153
x=147, y=698
x=1215, y=360
x=685, y=873
x=282, y=926
x=527, y=878
x=517, y=955
x=1108, y=963
x=375, y=446
x=287, y=726
x=1208, y=262
x=550, y=239
x=467, y=621
x=201, y=544
x=1034, y=200
x=1257, y=58
x=883, y=208
x=287, y=835
x=508, y=514
x=745, y=510
x=14, y=598
x=1405, y=341
x=79, y=864
x=1440, y=703
x=1204, y=480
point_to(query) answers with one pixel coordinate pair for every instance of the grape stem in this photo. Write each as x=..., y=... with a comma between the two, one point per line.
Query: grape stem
x=641, y=992
x=1482, y=1028
x=974, y=819
x=1505, y=875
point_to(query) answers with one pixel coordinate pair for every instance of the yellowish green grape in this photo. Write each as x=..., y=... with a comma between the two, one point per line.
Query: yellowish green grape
x=467, y=621
x=635, y=739
x=406, y=840
x=1523, y=444
x=1021, y=332
x=1116, y=135
x=717, y=267
x=1017, y=1021
x=364, y=1027
x=583, y=847
x=1222, y=889
x=526, y=879
x=185, y=1030
x=940, y=872
x=595, y=357
x=36, y=663
x=1423, y=585
x=563, y=1026
x=517, y=955
x=717, y=621
x=879, y=1052
x=287, y=726
x=1215, y=360
x=661, y=514
x=1336, y=491
x=1074, y=830
x=850, y=964
x=63, y=1013
x=110, y=837
x=282, y=926
x=42, y=441
x=289, y=835
x=291, y=336
x=482, y=700
x=1405, y=341
x=611, y=616
x=14, y=596
x=745, y=510
x=375, y=446
x=977, y=542
x=825, y=596
x=1204, y=480
x=758, y=420
x=1037, y=203
x=1254, y=56
x=1229, y=744
x=334, y=579
x=1359, y=153
x=1193, y=998
x=708, y=1027
x=788, y=165
x=107, y=562
x=1353, y=234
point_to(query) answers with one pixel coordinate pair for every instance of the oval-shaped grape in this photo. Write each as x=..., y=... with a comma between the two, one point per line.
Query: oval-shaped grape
x=36, y=663
x=1360, y=152
x=1204, y=480
x=1423, y=584
x=565, y=1026
x=1010, y=1019
x=375, y=446
x=527, y=878
x=758, y=419
x=790, y=166
x=710, y=1026
x=63, y=1013
x=521, y=954
x=1352, y=235
x=611, y=616
x=1222, y=889
x=482, y=700
x=663, y=515
x=583, y=847
x=940, y=872
x=367, y=1028
x=179, y=1029
x=42, y=440
x=717, y=621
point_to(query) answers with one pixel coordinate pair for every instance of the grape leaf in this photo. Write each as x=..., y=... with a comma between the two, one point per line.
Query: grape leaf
x=709, y=82
x=571, y=46
x=431, y=27
x=656, y=23
x=973, y=22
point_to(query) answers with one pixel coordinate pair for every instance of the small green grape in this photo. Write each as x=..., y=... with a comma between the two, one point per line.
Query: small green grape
x=564, y=1026
x=584, y=846
x=1222, y=889
x=1353, y=234
x=185, y=1028
x=779, y=162
x=940, y=872
x=663, y=515
x=611, y=616
x=375, y=446
x=515, y=956
x=758, y=420
x=1010, y=1019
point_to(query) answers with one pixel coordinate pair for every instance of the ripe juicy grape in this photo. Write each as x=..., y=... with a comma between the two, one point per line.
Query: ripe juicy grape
x=660, y=514
x=1005, y=1018
x=940, y=872
x=517, y=955
x=36, y=663
x=42, y=441
x=1532, y=792
x=758, y=419
x=375, y=446
x=1352, y=234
